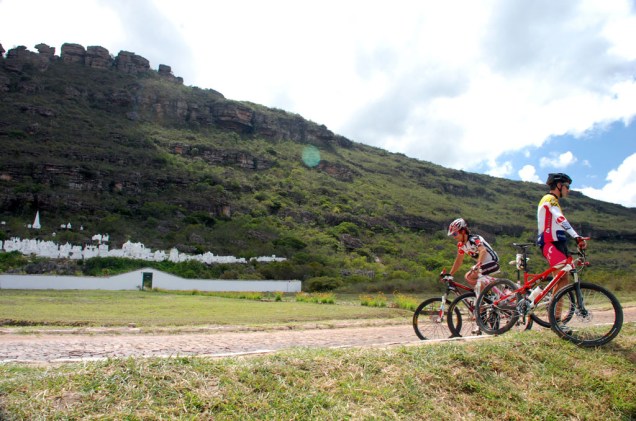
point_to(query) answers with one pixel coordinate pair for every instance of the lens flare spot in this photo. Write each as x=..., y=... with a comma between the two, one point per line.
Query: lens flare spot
x=311, y=156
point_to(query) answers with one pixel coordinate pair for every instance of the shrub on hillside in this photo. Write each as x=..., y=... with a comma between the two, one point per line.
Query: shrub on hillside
x=322, y=284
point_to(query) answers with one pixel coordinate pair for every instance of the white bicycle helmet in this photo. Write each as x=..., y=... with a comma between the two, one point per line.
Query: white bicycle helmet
x=457, y=225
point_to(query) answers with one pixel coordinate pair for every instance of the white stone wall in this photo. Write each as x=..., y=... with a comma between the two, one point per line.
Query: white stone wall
x=129, y=250
x=134, y=280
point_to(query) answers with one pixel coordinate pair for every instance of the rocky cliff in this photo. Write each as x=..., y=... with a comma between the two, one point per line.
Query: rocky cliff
x=93, y=56
x=141, y=102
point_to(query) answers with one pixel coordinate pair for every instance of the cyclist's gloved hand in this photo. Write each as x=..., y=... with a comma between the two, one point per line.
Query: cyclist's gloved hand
x=581, y=243
x=445, y=277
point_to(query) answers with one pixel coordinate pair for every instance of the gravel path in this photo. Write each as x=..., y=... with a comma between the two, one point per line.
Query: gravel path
x=98, y=344
x=67, y=347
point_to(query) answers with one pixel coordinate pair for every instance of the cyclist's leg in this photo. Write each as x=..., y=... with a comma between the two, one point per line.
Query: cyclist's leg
x=482, y=282
x=556, y=254
x=563, y=282
x=471, y=278
x=540, y=313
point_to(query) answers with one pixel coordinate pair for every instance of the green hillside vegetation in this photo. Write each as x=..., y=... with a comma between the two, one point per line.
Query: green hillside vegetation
x=147, y=159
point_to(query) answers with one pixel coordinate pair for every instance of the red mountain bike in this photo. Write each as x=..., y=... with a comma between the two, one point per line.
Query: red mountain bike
x=583, y=313
x=540, y=312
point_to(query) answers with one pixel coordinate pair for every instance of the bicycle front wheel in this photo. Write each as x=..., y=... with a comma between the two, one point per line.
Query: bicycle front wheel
x=429, y=319
x=495, y=319
x=596, y=316
x=461, y=316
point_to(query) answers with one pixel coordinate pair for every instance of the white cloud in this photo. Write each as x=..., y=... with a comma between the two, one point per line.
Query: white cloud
x=461, y=84
x=621, y=186
x=499, y=170
x=62, y=21
x=529, y=173
x=537, y=70
x=558, y=161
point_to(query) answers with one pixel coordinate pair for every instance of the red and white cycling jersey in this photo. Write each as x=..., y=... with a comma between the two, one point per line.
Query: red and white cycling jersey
x=551, y=222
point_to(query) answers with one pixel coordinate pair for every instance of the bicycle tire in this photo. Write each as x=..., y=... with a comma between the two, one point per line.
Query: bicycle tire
x=495, y=320
x=464, y=324
x=541, y=313
x=428, y=323
x=581, y=329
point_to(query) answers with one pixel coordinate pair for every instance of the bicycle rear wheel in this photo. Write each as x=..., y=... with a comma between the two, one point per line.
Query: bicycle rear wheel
x=595, y=319
x=429, y=319
x=495, y=319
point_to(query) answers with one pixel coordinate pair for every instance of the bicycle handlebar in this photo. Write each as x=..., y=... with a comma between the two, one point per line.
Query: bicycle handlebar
x=580, y=250
x=582, y=259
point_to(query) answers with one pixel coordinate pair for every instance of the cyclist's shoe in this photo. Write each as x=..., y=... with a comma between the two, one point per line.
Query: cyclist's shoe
x=476, y=331
x=565, y=328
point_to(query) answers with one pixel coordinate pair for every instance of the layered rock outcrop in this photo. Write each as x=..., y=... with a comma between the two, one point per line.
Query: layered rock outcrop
x=96, y=57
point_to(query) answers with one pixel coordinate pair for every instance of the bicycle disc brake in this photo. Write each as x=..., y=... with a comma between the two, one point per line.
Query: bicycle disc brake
x=584, y=316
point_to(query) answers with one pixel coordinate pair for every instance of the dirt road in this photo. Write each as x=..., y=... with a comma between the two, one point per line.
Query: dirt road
x=86, y=345
x=67, y=347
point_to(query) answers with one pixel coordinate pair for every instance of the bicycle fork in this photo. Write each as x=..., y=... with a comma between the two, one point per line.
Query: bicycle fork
x=579, y=306
x=442, y=309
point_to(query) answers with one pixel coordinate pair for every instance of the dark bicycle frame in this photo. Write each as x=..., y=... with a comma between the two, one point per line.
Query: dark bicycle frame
x=451, y=286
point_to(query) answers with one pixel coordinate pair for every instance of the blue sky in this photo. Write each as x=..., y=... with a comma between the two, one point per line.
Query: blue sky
x=587, y=159
x=510, y=88
x=595, y=155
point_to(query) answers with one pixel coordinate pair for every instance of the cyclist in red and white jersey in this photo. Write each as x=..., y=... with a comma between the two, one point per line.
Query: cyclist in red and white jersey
x=553, y=226
x=475, y=246
x=552, y=223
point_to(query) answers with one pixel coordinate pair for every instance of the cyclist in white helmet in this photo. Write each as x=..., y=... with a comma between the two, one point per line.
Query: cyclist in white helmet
x=486, y=259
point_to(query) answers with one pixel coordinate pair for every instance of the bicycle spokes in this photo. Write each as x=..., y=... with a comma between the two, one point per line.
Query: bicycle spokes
x=429, y=319
x=593, y=318
x=497, y=307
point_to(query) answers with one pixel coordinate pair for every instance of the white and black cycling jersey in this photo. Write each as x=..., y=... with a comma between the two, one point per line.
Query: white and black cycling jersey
x=471, y=248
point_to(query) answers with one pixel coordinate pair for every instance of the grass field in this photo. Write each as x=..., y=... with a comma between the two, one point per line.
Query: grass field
x=156, y=309
x=146, y=310
x=528, y=375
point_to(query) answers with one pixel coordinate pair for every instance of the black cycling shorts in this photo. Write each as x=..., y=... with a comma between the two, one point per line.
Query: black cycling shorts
x=490, y=267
